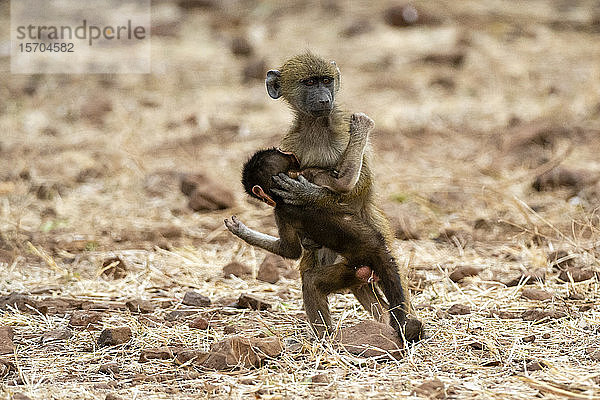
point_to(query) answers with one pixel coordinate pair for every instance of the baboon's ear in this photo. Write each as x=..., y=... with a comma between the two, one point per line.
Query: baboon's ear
x=291, y=156
x=273, y=84
x=259, y=192
x=338, y=76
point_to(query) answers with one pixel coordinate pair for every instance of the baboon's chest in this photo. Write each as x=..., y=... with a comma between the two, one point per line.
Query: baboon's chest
x=319, y=148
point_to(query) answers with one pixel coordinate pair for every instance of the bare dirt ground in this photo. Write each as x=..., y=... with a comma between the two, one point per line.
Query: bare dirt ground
x=486, y=145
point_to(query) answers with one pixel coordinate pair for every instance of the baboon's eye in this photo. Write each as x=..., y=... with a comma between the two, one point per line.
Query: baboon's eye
x=326, y=80
x=309, y=82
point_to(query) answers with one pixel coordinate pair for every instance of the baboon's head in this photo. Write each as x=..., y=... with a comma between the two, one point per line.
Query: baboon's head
x=307, y=83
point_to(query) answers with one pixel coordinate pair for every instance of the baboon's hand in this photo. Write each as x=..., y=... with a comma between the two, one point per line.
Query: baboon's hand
x=361, y=124
x=236, y=227
x=298, y=192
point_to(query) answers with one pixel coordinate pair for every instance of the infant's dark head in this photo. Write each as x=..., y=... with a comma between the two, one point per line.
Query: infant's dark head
x=261, y=167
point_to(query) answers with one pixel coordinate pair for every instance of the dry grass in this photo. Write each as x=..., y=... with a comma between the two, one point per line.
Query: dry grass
x=446, y=160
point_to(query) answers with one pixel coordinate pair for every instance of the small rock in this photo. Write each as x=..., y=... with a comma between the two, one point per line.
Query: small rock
x=204, y=194
x=6, y=340
x=95, y=108
x=6, y=367
x=55, y=335
x=536, y=294
x=431, y=389
x=407, y=15
x=187, y=355
x=237, y=269
x=229, y=330
x=191, y=4
x=86, y=319
x=114, y=336
x=252, y=303
x=370, y=339
x=593, y=351
x=320, y=378
x=160, y=353
x=180, y=314
x=529, y=339
x=109, y=369
x=254, y=70
x=195, y=299
x=114, y=267
x=20, y=396
x=139, y=306
x=18, y=301
x=546, y=336
x=560, y=259
x=240, y=351
x=112, y=396
x=241, y=46
x=199, y=323
x=538, y=314
x=535, y=366
x=459, y=309
x=268, y=270
x=463, y=271
x=357, y=27
x=577, y=274
x=563, y=177
x=454, y=59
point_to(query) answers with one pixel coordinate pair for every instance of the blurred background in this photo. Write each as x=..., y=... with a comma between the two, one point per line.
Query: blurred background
x=472, y=101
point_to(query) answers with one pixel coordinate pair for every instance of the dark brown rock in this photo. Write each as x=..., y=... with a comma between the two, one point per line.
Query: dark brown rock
x=459, y=309
x=577, y=274
x=18, y=301
x=254, y=70
x=85, y=319
x=240, y=351
x=180, y=314
x=204, y=194
x=160, y=353
x=463, y=271
x=112, y=396
x=562, y=177
x=114, y=267
x=241, y=46
x=56, y=335
x=114, y=336
x=407, y=15
x=109, y=369
x=269, y=270
x=536, y=294
x=529, y=339
x=139, y=306
x=453, y=59
x=370, y=339
x=538, y=314
x=6, y=340
x=593, y=351
x=195, y=299
x=194, y=356
x=6, y=367
x=237, y=269
x=357, y=27
x=192, y=4
x=199, y=323
x=252, y=302
x=431, y=389
x=95, y=108
x=535, y=366
x=20, y=396
x=560, y=259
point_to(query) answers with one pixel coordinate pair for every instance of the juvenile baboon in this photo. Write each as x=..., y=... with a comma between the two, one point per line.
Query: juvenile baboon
x=318, y=137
